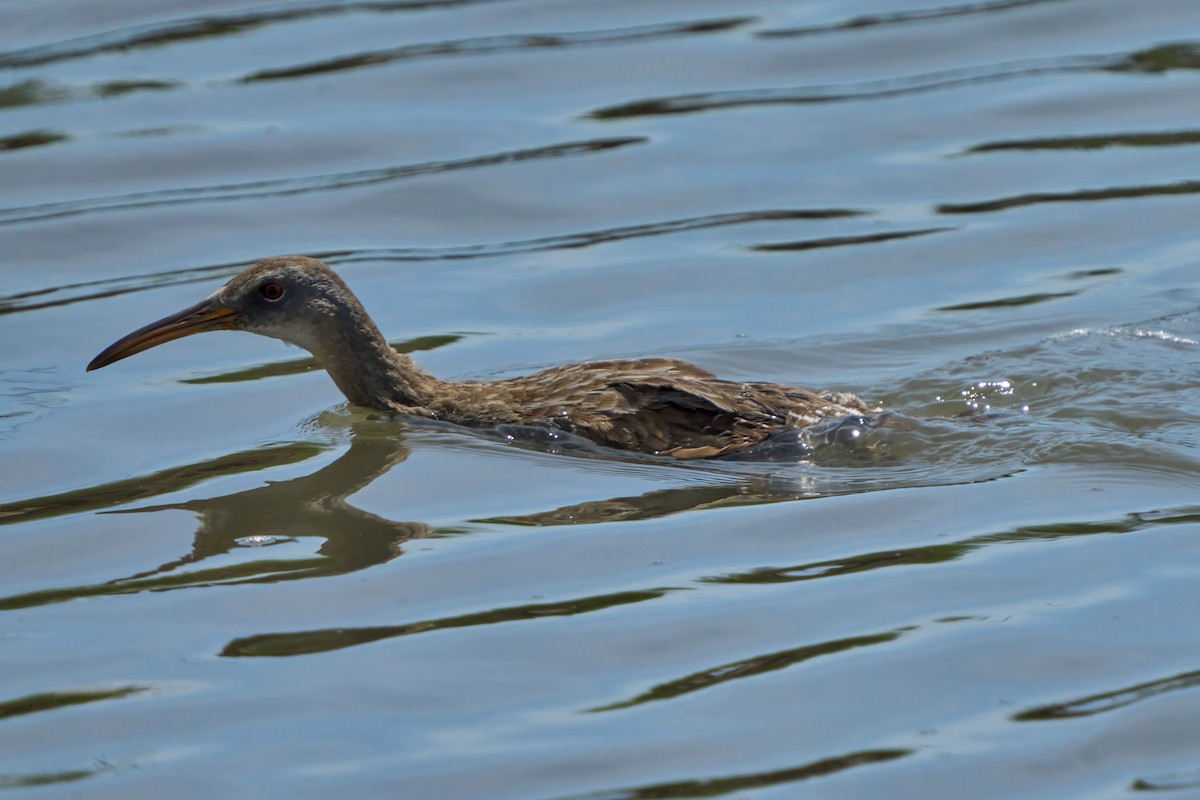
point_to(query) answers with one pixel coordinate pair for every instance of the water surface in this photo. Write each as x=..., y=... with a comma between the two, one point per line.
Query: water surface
x=218, y=579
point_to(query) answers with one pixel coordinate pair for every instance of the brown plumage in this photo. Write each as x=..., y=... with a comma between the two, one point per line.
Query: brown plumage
x=653, y=405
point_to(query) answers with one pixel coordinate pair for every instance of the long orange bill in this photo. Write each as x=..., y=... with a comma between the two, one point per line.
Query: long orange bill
x=207, y=315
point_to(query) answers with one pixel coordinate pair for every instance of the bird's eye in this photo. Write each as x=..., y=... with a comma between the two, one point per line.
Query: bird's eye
x=272, y=291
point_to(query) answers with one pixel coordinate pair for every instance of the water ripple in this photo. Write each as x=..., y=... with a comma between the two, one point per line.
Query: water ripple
x=1109, y=701
x=281, y=187
x=110, y=287
x=737, y=784
x=864, y=90
x=1077, y=196
x=487, y=45
x=1163, y=58
x=749, y=667
x=905, y=17
x=1093, y=142
x=49, y=701
x=840, y=241
x=216, y=24
x=324, y=641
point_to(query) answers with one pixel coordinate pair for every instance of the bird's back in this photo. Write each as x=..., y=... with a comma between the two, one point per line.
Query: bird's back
x=655, y=405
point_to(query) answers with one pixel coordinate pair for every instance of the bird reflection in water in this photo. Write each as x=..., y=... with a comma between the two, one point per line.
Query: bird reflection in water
x=314, y=505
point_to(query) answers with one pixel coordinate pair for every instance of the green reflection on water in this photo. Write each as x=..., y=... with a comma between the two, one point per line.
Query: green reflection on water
x=749, y=667
x=1109, y=701
x=47, y=778
x=718, y=787
x=323, y=641
x=37, y=138
x=48, y=701
x=1100, y=142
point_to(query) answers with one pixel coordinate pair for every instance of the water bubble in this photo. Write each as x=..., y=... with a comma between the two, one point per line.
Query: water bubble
x=263, y=540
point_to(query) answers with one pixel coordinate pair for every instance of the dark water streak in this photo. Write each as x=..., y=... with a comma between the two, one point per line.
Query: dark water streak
x=282, y=187
x=112, y=287
x=1163, y=58
x=183, y=30
x=489, y=45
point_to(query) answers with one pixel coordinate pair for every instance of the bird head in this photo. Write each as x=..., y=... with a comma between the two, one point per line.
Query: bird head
x=293, y=298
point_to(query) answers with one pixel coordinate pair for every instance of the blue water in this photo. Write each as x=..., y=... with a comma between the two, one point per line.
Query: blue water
x=216, y=579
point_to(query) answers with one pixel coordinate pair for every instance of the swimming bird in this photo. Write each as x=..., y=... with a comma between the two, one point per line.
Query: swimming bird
x=651, y=405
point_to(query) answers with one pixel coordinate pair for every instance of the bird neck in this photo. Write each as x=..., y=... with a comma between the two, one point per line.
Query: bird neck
x=370, y=372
